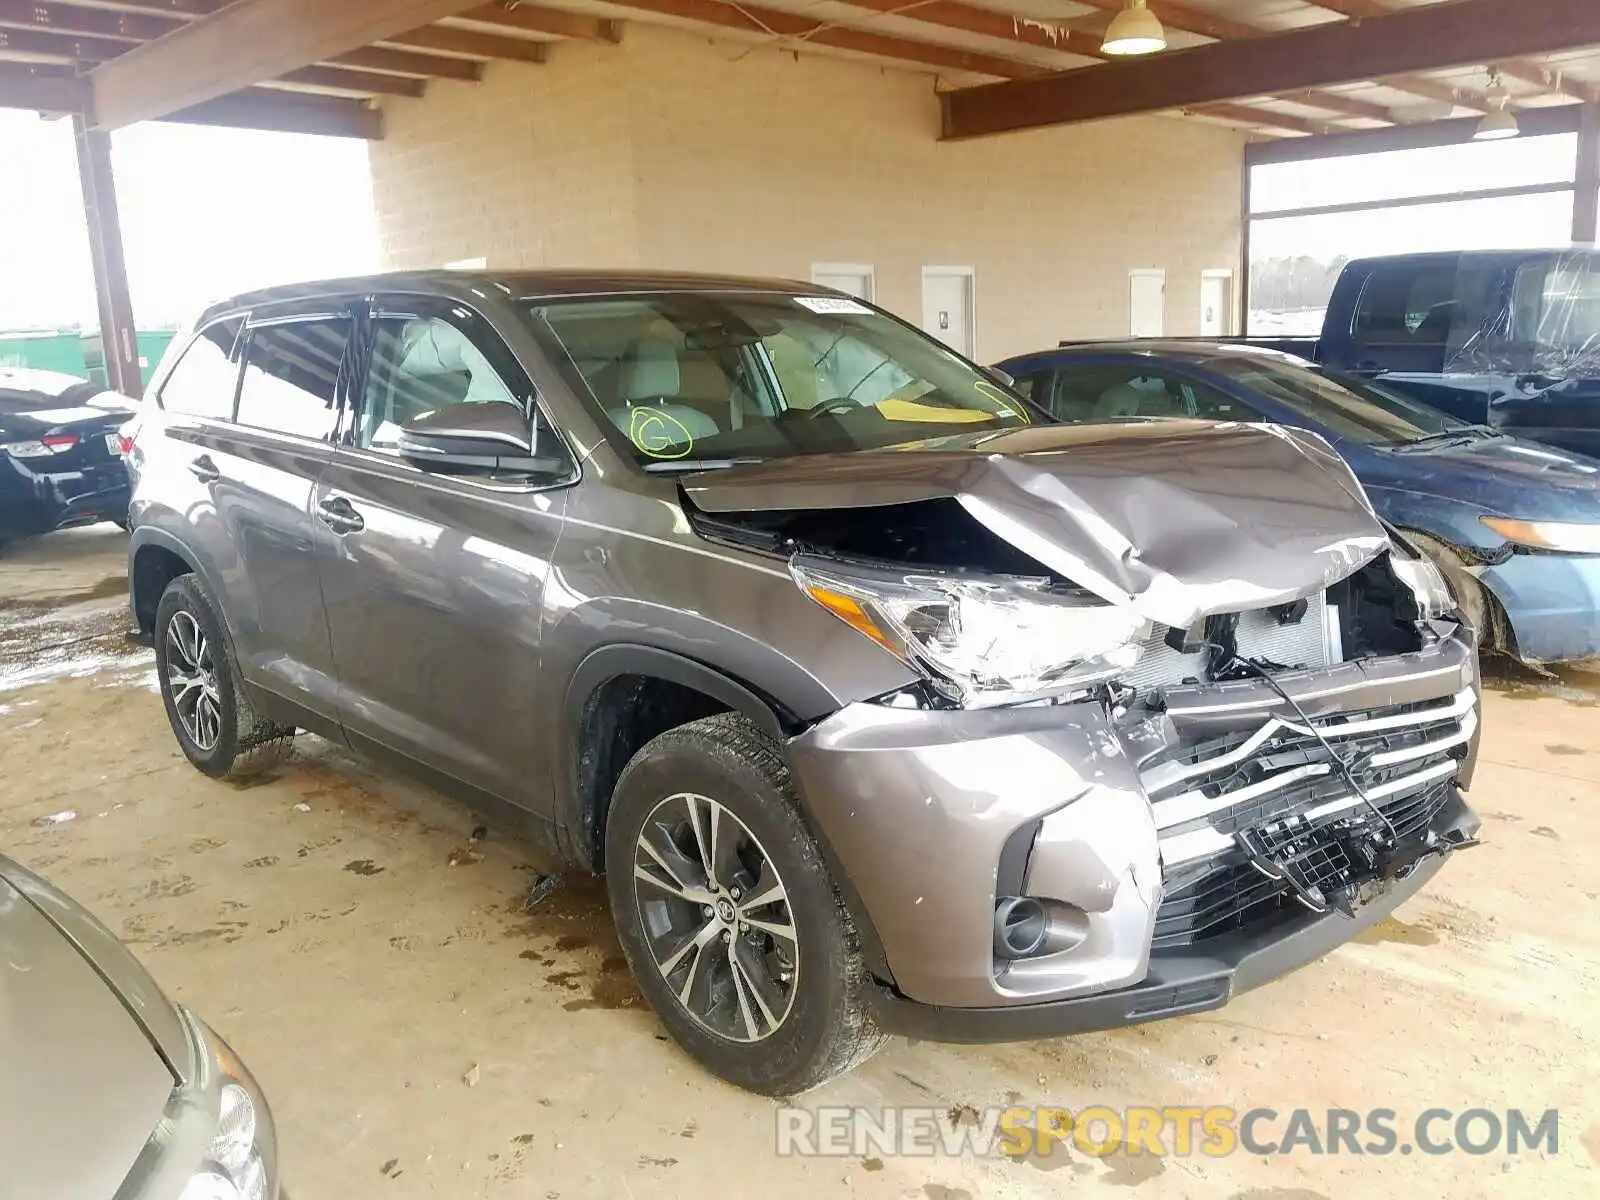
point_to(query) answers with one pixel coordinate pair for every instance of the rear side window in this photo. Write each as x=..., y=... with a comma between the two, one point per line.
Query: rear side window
x=291, y=376
x=1407, y=305
x=205, y=379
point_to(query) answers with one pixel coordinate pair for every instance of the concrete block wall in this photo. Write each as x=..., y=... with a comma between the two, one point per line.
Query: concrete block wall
x=677, y=151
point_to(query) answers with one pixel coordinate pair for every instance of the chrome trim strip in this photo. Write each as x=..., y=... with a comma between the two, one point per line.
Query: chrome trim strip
x=1165, y=775
x=1183, y=848
x=1469, y=724
x=1197, y=804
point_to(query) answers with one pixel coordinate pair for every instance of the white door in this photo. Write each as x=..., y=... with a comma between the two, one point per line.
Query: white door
x=1147, y=302
x=854, y=279
x=1216, y=303
x=947, y=307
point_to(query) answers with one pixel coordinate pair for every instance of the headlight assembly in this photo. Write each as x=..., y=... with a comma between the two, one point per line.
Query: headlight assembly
x=1568, y=536
x=981, y=641
x=221, y=1125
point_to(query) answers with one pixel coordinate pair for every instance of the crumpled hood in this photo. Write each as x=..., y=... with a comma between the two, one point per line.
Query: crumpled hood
x=1177, y=519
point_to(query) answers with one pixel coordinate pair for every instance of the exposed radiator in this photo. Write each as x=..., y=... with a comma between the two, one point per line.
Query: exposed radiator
x=1310, y=642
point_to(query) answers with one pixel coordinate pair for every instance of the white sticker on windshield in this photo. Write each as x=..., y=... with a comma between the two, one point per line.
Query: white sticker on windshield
x=832, y=305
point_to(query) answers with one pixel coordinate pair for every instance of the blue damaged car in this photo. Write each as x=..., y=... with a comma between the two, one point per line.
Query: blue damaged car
x=1513, y=524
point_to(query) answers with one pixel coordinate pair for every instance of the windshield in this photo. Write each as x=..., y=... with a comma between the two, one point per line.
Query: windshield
x=1347, y=406
x=693, y=377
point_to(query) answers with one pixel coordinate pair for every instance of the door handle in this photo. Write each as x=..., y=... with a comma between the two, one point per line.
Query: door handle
x=1369, y=364
x=204, y=469
x=339, y=515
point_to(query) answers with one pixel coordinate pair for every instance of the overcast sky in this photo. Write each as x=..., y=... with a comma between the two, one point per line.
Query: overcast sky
x=205, y=212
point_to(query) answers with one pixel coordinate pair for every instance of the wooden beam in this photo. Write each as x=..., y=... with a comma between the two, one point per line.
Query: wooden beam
x=286, y=112
x=1535, y=122
x=242, y=44
x=42, y=87
x=409, y=62
x=1586, y=177
x=1528, y=71
x=100, y=23
x=93, y=22
x=530, y=18
x=51, y=88
x=968, y=18
x=1548, y=79
x=1189, y=19
x=750, y=18
x=118, y=341
x=64, y=46
x=1263, y=118
x=364, y=83
x=1436, y=36
x=1209, y=24
x=450, y=40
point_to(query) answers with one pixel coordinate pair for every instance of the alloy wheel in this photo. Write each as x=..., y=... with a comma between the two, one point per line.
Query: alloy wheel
x=191, y=680
x=716, y=917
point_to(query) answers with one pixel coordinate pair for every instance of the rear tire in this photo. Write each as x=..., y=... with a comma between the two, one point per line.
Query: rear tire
x=207, y=706
x=711, y=804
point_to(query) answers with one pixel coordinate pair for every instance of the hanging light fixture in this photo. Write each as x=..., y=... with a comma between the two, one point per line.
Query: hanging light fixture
x=1499, y=122
x=1134, y=30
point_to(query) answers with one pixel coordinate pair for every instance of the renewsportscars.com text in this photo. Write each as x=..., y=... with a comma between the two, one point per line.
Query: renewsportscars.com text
x=1215, y=1131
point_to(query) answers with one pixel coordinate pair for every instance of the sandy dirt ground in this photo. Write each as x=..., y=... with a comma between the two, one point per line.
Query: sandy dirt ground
x=368, y=956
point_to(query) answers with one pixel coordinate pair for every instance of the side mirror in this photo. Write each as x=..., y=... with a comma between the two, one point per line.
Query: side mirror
x=481, y=439
x=1004, y=379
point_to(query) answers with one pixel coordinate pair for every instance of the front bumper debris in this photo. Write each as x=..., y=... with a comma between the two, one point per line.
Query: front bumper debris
x=1167, y=838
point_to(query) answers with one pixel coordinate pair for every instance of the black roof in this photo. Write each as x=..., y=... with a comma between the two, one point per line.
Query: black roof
x=511, y=285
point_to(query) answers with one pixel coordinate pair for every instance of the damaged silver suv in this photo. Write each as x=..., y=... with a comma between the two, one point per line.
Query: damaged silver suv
x=885, y=705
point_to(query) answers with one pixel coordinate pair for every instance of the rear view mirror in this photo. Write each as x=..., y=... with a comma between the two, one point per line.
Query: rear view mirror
x=1003, y=378
x=481, y=439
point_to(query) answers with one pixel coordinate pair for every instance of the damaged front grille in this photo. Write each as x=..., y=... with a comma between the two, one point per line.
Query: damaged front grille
x=1206, y=794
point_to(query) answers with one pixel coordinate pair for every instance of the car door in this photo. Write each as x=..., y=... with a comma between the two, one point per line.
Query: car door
x=434, y=582
x=262, y=470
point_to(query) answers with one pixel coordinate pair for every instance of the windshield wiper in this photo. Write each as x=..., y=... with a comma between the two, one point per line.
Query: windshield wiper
x=1457, y=433
x=668, y=465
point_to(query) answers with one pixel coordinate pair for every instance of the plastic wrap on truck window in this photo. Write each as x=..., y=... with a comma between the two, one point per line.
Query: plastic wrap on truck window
x=1541, y=318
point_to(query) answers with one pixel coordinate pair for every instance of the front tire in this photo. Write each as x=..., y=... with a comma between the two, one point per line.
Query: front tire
x=727, y=915
x=210, y=713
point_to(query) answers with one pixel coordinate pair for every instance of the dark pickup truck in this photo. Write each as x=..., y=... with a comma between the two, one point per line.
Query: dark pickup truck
x=1503, y=338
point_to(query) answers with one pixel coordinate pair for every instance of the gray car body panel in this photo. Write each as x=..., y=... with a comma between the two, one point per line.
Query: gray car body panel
x=86, y=1084
x=468, y=626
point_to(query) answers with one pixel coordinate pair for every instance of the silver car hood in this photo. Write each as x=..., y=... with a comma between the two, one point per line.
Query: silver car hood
x=85, y=1085
x=1176, y=519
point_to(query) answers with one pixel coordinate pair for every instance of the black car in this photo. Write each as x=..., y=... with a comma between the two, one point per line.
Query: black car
x=60, y=462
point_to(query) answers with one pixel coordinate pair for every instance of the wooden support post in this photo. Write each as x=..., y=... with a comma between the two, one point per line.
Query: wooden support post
x=1586, y=177
x=1245, y=217
x=117, y=339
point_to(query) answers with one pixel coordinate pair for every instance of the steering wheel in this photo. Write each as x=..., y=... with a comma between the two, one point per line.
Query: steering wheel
x=835, y=405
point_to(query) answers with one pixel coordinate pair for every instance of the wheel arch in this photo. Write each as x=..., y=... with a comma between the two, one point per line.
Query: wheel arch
x=155, y=559
x=657, y=689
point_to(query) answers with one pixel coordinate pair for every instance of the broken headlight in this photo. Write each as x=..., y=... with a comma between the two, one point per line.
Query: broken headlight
x=981, y=641
x=1426, y=583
